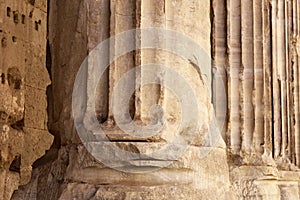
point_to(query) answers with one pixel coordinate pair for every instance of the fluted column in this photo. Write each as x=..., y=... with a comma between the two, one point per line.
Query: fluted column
x=159, y=152
x=262, y=78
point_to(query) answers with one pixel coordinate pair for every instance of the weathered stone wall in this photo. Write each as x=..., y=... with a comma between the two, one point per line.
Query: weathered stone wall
x=24, y=78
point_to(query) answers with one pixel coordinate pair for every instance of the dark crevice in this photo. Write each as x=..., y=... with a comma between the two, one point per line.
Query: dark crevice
x=53, y=129
x=51, y=154
x=132, y=106
x=213, y=48
x=16, y=17
x=4, y=42
x=36, y=25
x=23, y=19
x=48, y=59
x=14, y=39
x=8, y=11
x=271, y=76
x=49, y=91
x=32, y=2
x=226, y=65
x=14, y=78
x=15, y=165
x=49, y=69
x=280, y=120
x=18, y=125
x=3, y=78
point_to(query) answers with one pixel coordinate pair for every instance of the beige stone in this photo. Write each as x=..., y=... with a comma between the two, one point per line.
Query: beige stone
x=251, y=90
x=24, y=78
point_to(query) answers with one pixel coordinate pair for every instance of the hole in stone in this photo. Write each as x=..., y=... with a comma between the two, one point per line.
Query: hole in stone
x=14, y=78
x=32, y=2
x=14, y=39
x=40, y=22
x=8, y=11
x=23, y=19
x=36, y=25
x=10, y=119
x=18, y=125
x=1, y=31
x=17, y=85
x=16, y=17
x=15, y=165
x=3, y=116
x=3, y=78
x=31, y=14
x=4, y=42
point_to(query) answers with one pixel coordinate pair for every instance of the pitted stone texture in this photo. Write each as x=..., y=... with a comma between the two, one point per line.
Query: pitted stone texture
x=23, y=131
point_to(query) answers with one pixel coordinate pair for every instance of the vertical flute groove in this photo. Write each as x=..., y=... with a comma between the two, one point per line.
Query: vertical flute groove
x=234, y=47
x=258, y=138
x=246, y=73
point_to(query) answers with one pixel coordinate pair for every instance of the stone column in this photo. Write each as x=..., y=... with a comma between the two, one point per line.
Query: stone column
x=263, y=105
x=202, y=166
x=259, y=78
